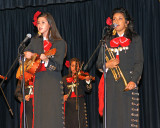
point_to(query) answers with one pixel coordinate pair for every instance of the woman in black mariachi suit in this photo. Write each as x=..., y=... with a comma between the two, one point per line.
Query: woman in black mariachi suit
x=48, y=93
x=123, y=106
x=72, y=114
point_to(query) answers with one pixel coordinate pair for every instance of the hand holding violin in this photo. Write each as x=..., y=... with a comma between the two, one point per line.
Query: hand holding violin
x=88, y=78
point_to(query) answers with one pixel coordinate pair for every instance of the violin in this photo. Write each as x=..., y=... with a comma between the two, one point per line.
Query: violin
x=81, y=75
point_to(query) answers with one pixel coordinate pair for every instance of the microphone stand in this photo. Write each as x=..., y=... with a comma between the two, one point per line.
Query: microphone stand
x=10, y=110
x=105, y=89
x=85, y=67
x=102, y=43
x=21, y=56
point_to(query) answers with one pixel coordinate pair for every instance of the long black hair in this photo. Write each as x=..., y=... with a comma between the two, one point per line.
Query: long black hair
x=53, y=31
x=129, y=32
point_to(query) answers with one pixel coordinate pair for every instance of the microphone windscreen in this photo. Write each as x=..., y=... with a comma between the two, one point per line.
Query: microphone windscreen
x=29, y=35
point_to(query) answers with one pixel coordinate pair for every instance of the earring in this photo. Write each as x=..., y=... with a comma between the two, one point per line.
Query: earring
x=39, y=33
x=114, y=32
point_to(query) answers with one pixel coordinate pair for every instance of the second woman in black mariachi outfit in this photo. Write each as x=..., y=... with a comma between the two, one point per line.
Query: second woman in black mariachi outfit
x=126, y=45
x=75, y=111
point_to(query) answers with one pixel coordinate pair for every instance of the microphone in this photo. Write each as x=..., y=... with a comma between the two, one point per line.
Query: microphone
x=114, y=25
x=22, y=45
x=28, y=36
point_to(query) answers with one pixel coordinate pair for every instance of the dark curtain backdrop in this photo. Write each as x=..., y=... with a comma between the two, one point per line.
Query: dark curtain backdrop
x=81, y=25
x=8, y=4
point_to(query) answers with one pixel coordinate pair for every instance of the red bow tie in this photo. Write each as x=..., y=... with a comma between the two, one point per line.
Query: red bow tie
x=122, y=41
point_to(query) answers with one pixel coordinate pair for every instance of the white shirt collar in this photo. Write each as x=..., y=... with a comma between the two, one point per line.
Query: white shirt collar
x=44, y=38
x=120, y=35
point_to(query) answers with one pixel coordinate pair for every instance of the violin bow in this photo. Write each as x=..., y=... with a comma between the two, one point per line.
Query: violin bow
x=77, y=83
x=81, y=67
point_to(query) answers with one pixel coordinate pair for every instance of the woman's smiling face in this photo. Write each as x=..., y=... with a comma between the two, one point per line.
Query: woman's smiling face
x=43, y=26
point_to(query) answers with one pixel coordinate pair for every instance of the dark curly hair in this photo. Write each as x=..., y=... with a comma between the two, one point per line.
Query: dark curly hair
x=129, y=32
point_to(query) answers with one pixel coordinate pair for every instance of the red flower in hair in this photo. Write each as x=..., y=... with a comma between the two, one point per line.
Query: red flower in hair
x=35, y=18
x=108, y=21
x=67, y=64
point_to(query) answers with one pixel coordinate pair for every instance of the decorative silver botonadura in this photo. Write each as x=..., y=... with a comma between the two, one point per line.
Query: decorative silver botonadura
x=85, y=111
x=63, y=116
x=119, y=49
x=135, y=109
